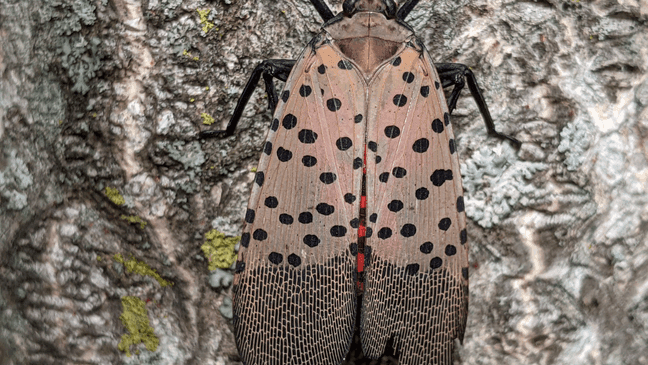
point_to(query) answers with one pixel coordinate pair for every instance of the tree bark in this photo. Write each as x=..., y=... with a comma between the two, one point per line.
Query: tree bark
x=109, y=94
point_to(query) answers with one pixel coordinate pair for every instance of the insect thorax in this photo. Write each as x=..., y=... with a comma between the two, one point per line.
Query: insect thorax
x=369, y=39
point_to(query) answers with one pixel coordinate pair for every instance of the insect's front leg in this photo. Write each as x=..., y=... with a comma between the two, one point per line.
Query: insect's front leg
x=456, y=74
x=406, y=8
x=323, y=9
x=270, y=70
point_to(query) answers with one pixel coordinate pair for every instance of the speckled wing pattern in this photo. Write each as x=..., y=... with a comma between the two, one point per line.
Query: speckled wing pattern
x=294, y=296
x=416, y=283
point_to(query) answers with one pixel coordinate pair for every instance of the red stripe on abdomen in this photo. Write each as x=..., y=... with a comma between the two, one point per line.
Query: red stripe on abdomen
x=362, y=228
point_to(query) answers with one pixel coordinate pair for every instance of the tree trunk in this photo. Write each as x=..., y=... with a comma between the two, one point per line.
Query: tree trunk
x=97, y=95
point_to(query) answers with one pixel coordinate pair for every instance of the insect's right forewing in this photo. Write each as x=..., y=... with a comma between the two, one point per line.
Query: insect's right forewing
x=416, y=283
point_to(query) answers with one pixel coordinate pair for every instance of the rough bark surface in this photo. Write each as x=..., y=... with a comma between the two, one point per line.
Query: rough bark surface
x=97, y=94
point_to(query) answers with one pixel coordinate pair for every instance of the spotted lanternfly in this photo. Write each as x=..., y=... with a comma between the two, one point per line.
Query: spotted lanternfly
x=358, y=191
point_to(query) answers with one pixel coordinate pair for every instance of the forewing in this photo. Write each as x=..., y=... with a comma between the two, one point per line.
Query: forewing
x=294, y=299
x=417, y=279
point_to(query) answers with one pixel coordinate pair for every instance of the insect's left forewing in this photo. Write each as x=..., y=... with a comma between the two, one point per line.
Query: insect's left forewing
x=416, y=284
x=294, y=297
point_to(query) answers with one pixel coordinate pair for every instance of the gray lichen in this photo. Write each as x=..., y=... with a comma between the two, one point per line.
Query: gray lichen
x=15, y=178
x=79, y=55
x=80, y=58
x=496, y=182
x=575, y=139
x=191, y=156
x=220, y=278
x=226, y=308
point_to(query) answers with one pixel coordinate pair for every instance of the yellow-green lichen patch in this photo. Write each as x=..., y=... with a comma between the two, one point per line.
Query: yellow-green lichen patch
x=140, y=267
x=134, y=219
x=114, y=196
x=135, y=319
x=188, y=54
x=207, y=25
x=207, y=119
x=219, y=249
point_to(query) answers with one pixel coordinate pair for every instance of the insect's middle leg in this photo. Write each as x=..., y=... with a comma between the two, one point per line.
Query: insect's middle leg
x=457, y=74
x=269, y=69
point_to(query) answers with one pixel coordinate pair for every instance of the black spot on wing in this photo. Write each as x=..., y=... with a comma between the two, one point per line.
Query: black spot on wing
x=392, y=131
x=421, y=145
x=289, y=121
x=294, y=260
x=349, y=198
x=426, y=247
x=343, y=143
x=373, y=146
x=259, y=178
x=334, y=104
x=249, y=216
x=311, y=240
x=437, y=125
x=444, y=224
x=305, y=218
x=275, y=258
x=271, y=202
x=384, y=233
x=357, y=163
x=305, y=90
x=309, y=161
x=328, y=177
x=338, y=231
x=245, y=239
x=345, y=65
x=307, y=136
x=408, y=230
x=284, y=155
x=400, y=100
x=260, y=235
x=267, y=148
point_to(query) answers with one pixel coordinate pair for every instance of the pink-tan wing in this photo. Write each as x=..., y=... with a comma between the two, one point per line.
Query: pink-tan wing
x=416, y=284
x=294, y=297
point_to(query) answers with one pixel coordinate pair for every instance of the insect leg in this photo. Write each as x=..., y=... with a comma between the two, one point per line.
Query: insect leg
x=456, y=74
x=269, y=69
x=404, y=10
x=323, y=9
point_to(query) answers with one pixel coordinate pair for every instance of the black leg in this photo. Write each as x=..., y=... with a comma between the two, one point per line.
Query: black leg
x=279, y=69
x=457, y=74
x=323, y=10
x=404, y=10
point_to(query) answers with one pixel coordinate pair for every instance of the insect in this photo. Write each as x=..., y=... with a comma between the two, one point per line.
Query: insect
x=358, y=191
